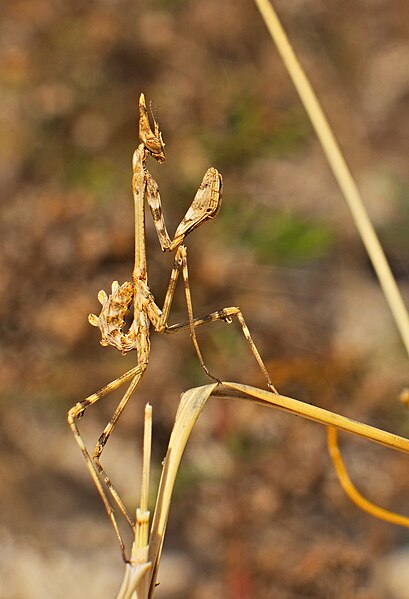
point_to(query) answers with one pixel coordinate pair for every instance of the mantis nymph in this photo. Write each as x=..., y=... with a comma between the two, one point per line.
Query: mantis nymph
x=136, y=294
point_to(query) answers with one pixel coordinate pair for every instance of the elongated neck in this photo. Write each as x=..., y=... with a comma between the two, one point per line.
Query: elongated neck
x=138, y=188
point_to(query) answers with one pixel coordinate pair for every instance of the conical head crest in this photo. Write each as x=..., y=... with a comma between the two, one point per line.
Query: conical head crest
x=152, y=140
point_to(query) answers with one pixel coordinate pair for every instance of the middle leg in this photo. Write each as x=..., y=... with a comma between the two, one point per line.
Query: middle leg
x=159, y=318
x=226, y=315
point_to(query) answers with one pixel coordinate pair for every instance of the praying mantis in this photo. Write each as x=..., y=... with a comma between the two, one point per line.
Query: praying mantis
x=136, y=295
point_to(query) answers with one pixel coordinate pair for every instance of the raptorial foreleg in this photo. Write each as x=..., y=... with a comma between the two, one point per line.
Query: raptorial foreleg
x=205, y=206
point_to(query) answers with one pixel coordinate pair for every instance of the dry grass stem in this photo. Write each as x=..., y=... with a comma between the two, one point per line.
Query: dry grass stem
x=311, y=412
x=140, y=575
x=339, y=168
x=350, y=489
x=147, y=445
x=191, y=405
x=135, y=584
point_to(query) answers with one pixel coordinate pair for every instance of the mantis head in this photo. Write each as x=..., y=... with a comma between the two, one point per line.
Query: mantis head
x=152, y=140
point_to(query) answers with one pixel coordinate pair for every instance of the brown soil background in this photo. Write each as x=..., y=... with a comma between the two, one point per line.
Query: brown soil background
x=257, y=510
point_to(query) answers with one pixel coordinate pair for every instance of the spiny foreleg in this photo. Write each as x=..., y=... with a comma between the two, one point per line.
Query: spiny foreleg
x=205, y=206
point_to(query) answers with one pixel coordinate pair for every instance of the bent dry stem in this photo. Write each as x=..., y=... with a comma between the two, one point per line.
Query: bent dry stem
x=189, y=410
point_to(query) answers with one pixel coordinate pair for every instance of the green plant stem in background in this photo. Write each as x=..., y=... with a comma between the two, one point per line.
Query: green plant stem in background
x=339, y=168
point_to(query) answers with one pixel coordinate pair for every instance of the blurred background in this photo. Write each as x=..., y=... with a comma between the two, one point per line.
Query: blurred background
x=257, y=510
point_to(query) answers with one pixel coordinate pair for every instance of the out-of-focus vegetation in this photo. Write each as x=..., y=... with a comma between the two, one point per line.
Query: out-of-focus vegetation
x=278, y=237
x=258, y=511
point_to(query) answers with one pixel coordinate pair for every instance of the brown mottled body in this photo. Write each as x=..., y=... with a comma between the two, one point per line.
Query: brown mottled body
x=112, y=318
